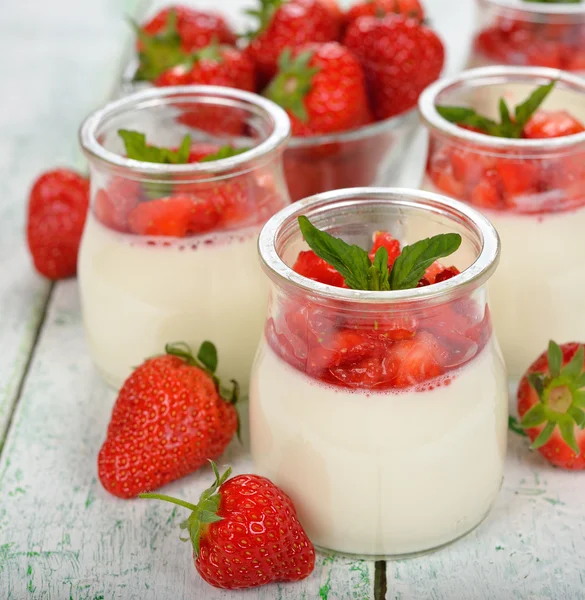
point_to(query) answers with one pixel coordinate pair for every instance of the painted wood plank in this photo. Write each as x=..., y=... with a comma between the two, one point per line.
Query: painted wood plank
x=57, y=65
x=62, y=535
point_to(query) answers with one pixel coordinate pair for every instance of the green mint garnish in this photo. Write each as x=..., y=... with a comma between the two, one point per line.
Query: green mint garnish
x=358, y=271
x=507, y=127
x=224, y=152
x=138, y=149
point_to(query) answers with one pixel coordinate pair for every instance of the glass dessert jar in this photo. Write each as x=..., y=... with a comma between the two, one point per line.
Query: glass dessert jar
x=532, y=190
x=369, y=155
x=382, y=414
x=169, y=250
x=530, y=33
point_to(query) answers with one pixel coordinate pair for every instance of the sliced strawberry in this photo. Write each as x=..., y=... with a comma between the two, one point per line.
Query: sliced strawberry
x=113, y=205
x=309, y=265
x=488, y=192
x=552, y=124
x=413, y=361
x=446, y=274
x=394, y=329
x=384, y=239
x=432, y=272
x=368, y=373
x=518, y=176
x=175, y=216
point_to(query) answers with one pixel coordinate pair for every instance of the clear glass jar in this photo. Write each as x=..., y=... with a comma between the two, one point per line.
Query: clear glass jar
x=140, y=289
x=523, y=33
x=369, y=155
x=383, y=415
x=533, y=191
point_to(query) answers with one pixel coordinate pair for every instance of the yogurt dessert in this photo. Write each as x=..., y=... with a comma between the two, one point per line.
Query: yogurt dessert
x=386, y=402
x=530, y=33
x=531, y=187
x=169, y=249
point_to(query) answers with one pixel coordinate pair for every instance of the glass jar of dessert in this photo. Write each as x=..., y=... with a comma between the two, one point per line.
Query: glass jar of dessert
x=378, y=398
x=511, y=142
x=530, y=33
x=182, y=179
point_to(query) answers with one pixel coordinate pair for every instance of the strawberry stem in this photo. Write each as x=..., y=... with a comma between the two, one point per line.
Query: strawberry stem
x=170, y=499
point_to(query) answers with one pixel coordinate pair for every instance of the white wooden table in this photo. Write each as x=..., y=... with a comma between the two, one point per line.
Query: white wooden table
x=61, y=535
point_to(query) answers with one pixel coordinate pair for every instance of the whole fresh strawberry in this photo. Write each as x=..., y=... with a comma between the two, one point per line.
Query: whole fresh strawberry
x=245, y=533
x=551, y=401
x=322, y=88
x=194, y=28
x=288, y=24
x=57, y=208
x=171, y=415
x=379, y=8
x=400, y=58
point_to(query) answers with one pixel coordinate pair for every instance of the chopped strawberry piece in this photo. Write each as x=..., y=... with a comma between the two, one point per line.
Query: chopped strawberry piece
x=414, y=361
x=432, y=272
x=113, y=205
x=176, y=216
x=518, y=176
x=448, y=184
x=384, y=239
x=367, y=373
x=488, y=192
x=552, y=124
x=423, y=282
x=309, y=265
x=344, y=348
x=394, y=328
x=446, y=274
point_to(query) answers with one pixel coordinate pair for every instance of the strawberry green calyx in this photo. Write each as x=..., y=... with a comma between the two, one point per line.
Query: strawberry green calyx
x=206, y=360
x=561, y=396
x=210, y=52
x=263, y=14
x=508, y=127
x=293, y=82
x=161, y=51
x=204, y=512
x=360, y=273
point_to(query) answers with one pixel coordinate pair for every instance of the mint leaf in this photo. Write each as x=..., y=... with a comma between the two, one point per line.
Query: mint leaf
x=525, y=110
x=508, y=127
x=224, y=152
x=415, y=259
x=381, y=267
x=138, y=149
x=207, y=355
x=351, y=261
x=467, y=116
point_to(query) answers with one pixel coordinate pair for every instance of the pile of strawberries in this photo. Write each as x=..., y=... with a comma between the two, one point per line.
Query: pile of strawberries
x=382, y=350
x=536, y=43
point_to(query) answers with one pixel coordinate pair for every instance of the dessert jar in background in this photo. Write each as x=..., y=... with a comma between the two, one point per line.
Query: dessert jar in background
x=532, y=190
x=530, y=33
x=382, y=414
x=148, y=277
x=366, y=156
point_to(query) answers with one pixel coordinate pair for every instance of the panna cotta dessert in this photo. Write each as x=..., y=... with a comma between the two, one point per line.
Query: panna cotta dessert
x=527, y=175
x=542, y=33
x=379, y=390
x=182, y=179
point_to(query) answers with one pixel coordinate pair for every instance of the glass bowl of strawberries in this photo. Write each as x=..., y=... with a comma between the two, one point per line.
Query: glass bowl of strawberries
x=182, y=179
x=539, y=33
x=378, y=390
x=511, y=142
x=349, y=81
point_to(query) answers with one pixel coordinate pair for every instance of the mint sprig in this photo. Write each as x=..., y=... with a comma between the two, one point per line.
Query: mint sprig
x=358, y=271
x=507, y=127
x=224, y=152
x=138, y=149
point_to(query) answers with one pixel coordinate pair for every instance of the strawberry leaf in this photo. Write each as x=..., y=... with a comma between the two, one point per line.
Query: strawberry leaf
x=567, y=428
x=575, y=367
x=224, y=152
x=555, y=359
x=263, y=15
x=544, y=435
x=577, y=415
x=536, y=380
x=415, y=259
x=514, y=426
x=207, y=355
x=138, y=149
x=534, y=417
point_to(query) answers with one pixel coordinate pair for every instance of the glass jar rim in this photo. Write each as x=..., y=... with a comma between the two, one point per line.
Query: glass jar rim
x=498, y=75
x=89, y=128
x=476, y=274
x=542, y=8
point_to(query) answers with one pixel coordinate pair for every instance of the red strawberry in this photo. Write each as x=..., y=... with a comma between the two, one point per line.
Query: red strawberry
x=383, y=238
x=379, y=8
x=415, y=360
x=57, y=208
x=446, y=274
x=113, y=205
x=309, y=265
x=289, y=25
x=245, y=533
x=176, y=216
x=552, y=124
x=322, y=89
x=201, y=150
x=194, y=28
x=400, y=58
x=488, y=192
x=169, y=418
x=551, y=400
